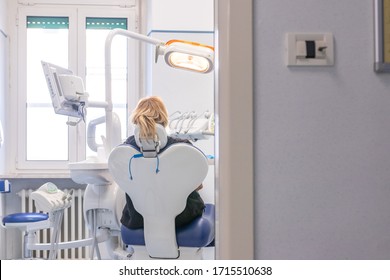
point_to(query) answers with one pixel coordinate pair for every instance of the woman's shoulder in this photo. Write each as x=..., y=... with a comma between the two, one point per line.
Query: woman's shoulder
x=173, y=140
x=130, y=140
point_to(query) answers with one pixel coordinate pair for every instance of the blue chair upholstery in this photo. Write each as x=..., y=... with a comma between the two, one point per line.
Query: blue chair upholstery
x=17, y=218
x=199, y=233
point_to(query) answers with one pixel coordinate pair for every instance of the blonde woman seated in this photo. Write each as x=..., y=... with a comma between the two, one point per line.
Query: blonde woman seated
x=149, y=112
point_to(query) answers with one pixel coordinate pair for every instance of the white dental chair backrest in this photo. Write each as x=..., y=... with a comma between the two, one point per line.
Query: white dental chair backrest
x=159, y=187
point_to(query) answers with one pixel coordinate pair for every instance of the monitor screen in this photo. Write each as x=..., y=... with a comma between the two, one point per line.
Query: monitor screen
x=61, y=103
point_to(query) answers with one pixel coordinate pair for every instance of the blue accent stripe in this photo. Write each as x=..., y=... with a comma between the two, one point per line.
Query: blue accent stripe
x=134, y=156
x=180, y=31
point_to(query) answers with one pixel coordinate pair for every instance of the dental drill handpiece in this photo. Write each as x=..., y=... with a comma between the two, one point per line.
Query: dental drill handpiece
x=194, y=116
x=185, y=116
x=174, y=119
x=67, y=197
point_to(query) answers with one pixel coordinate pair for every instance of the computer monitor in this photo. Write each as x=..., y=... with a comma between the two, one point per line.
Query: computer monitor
x=66, y=91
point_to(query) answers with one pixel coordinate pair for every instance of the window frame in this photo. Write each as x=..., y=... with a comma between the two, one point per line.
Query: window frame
x=76, y=52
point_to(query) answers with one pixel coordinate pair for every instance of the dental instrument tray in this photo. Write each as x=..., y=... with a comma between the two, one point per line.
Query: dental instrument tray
x=48, y=198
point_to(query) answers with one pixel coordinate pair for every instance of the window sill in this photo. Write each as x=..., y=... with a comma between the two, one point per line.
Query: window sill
x=36, y=175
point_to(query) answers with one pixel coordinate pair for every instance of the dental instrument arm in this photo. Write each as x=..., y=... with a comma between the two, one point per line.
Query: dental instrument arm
x=192, y=126
x=48, y=198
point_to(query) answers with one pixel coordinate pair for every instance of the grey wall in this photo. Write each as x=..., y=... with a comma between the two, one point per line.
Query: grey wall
x=322, y=137
x=3, y=76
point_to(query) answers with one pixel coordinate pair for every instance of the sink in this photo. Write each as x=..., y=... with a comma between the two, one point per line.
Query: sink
x=90, y=171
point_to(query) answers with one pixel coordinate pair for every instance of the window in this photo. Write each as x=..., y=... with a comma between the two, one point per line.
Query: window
x=74, y=38
x=54, y=32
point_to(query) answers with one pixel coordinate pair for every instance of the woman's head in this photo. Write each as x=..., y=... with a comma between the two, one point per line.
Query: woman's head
x=149, y=112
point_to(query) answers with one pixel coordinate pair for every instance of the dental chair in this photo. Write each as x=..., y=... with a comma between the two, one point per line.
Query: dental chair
x=159, y=184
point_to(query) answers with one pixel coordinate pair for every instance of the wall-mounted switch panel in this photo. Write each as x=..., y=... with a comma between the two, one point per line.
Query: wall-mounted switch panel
x=5, y=186
x=309, y=49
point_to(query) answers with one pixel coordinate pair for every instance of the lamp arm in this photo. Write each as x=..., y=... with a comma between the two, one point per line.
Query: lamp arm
x=108, y=78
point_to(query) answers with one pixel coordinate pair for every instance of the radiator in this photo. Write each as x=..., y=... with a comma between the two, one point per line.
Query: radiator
x=73, y=226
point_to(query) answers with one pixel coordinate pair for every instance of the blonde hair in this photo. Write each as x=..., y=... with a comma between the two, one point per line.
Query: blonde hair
x=149, y=112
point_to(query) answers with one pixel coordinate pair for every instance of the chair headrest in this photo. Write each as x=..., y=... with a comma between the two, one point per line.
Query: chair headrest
x=151, y=147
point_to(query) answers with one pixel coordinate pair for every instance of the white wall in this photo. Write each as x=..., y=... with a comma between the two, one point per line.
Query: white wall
x=181, y=15
x=234, y=132
x=322, y=137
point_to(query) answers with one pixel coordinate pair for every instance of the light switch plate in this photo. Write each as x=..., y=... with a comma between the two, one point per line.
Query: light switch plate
x=294, y=56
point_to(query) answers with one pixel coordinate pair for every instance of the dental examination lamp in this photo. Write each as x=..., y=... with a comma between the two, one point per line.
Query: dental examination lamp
x=178, y=54
x=187, y=55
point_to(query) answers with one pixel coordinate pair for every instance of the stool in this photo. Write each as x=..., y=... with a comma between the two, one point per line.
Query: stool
x=29, y=223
